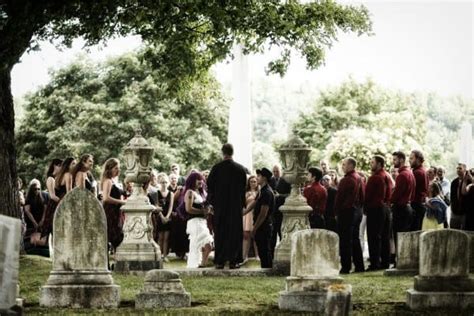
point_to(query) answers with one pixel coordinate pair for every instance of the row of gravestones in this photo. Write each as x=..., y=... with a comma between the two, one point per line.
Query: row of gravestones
x=80, y=277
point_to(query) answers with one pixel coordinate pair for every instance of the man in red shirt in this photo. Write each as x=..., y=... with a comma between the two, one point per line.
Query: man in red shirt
x=348, y=209
x=402, y=213
x=376, y=205
x=316, y=196
x=421, y=189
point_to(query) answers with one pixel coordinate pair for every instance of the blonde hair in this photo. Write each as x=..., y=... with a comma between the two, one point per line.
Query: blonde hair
x=163, y=176
x=109, y=164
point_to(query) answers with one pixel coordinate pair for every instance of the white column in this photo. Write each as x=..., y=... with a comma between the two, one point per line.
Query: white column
x=466, y=145
x=240, y=115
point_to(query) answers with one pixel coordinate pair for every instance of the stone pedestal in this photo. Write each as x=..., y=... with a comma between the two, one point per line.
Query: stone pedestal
x=163, y=289
x=444, y=280
x=408, y=254
x=137, y=252
x=295, y=218
x=80, y=278
x=315, y=285
x=10, y=237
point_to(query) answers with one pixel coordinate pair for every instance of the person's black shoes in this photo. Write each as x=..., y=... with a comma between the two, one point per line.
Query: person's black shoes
x=233, y=266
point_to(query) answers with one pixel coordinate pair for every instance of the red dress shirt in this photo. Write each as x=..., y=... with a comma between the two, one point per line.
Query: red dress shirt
x=350, y=193
x=421, y=187
x=404, y=187
x=316, y=195
x=378, y=190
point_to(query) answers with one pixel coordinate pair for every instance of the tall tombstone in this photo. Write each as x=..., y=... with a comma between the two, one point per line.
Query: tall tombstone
x=408, y=254
x=314, y=284
x=80, y=277
x=10, y=236
x=444, y=280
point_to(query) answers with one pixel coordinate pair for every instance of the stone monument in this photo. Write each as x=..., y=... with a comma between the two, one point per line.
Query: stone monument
x=295, y=157
x=137, y=253
x=10, y=236
x=444, y=280
x=315, y=284
x=80, y=278
x=470, y=234
x=408, y=254
x=163, y=289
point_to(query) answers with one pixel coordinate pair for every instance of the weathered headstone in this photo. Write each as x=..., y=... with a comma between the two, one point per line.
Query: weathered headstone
x=163, y=289
x=408, y=254
x=444, y=280
x=10, y=236
x=471, y=251
x=314, y=284
x=80, y=277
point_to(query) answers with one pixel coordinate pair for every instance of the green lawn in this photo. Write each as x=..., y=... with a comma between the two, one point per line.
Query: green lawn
x=373, y=294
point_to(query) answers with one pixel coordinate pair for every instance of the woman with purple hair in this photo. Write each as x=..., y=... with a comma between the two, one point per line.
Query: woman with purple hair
x=200, y=238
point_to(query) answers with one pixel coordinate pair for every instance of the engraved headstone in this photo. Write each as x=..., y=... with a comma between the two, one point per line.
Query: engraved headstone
x=408, y=254
x=80, y=277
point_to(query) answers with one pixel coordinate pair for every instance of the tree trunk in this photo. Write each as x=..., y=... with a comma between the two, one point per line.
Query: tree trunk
x=9, y=202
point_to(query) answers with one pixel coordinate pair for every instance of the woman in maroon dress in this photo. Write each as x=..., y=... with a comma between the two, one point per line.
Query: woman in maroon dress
x=112, y=201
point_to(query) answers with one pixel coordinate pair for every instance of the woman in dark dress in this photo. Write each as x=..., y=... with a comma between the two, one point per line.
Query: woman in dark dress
x=179, y=242
x=161, y=218
x=35, y=206
x=112, y=201
x=61, y=183
x=81, y=175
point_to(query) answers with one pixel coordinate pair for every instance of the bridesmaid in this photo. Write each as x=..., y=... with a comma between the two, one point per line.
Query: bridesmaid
x=112, y=201
x=250, y=196
x=81, y=175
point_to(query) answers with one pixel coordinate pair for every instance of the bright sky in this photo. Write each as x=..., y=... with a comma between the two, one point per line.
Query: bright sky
x=417, y=46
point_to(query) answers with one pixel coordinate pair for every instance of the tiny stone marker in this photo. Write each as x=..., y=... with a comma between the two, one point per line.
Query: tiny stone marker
x=314, y=284
x=10, y=236
x=162, y=289
x=444, y=280
x=80, y=277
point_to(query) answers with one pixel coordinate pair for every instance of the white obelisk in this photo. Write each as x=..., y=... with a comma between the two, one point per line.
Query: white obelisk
x=240, y=115
x=466, y=145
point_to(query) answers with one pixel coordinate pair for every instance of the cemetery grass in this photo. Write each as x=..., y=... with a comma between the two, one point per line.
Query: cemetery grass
x=372, y=293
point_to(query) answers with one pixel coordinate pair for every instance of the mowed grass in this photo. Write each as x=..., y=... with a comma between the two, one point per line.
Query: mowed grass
x=372, y=294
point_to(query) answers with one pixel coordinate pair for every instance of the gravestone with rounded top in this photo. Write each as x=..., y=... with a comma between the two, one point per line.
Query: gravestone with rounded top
x=10, y=236
x=443, y=281
x=163, y=289
x=408, y=254
x=314, y=284
x=80, y=277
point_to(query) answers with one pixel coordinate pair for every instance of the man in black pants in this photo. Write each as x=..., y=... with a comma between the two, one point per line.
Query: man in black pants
x=348, y=208
x=377, y=197
x=262, y=224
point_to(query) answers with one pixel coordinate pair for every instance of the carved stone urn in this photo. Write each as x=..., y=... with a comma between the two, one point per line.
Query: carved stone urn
x=137, y=252
x=294, y=155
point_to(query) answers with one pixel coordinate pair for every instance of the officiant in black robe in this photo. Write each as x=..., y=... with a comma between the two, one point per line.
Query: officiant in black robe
x=226, y=193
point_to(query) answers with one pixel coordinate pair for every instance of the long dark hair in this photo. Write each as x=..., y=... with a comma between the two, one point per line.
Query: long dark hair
x=32, y=197
x=64, y=169
x=189, y=185
x=80, y=166
x=55, y=162
x=248, y=187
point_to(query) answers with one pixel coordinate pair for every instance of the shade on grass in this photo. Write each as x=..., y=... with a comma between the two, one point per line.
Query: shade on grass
x=372, y=293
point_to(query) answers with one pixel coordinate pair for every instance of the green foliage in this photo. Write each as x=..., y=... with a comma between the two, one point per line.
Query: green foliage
x=363, y=119
x=95, y=107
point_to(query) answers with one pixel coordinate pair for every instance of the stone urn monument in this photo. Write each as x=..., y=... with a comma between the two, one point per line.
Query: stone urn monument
x=137, y=252
x=294, y=155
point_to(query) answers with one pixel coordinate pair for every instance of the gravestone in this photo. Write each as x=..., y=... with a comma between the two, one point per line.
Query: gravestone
x=80, y=277
x=10, y=236
x=471, y=252
x=443, y=281
x=408, y=254
x=162, y=289
x=314, y=284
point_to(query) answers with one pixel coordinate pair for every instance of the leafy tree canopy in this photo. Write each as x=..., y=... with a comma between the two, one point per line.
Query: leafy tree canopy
x=95, y=107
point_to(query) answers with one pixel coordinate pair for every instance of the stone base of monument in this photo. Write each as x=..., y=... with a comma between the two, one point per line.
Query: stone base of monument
x=400, y=272
x=132, y=267
x=80, y=289
x=163, y=289
x=281, y=268
x=439, y=292
x=321, y=295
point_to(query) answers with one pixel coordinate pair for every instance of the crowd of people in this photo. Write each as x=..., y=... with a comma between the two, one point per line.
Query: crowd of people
x=234, y=213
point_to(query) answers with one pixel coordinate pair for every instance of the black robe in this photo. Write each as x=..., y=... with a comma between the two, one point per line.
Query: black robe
x=226, y=193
